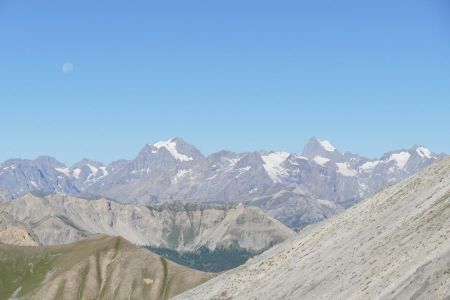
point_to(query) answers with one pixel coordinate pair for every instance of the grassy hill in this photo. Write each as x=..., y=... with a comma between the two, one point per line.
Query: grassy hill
x=101, y=267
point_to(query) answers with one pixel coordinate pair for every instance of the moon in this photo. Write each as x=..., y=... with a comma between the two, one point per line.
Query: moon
x=67, y=68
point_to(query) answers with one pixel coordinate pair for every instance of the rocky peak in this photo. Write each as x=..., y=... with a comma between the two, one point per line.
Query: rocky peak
x=85, y=162
x=178, y=149
x=321, y=148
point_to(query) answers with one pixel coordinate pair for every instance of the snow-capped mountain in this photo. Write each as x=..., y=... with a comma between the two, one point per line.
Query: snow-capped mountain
x=296, y=188
x=44, y=174
x=86, y=172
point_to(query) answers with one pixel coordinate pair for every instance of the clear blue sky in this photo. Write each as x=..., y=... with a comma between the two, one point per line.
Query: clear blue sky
x=371, y=76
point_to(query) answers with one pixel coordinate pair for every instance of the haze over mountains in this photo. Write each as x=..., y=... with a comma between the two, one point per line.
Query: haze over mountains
x=295, y=188
x=393, y=245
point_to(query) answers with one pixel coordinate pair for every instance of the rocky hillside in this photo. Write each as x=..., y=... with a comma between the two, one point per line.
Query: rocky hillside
x=394, y=245
x=91, y=269
x=295, y=188
x=15, y=233
x=57, y=219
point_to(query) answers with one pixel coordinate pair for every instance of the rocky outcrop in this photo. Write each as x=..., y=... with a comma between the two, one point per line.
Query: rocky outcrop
x=15, y=233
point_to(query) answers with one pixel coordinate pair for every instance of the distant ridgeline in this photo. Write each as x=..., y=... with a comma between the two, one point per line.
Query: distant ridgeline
x=295, y=188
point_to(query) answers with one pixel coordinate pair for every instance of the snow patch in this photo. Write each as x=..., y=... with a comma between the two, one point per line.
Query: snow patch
x=242, y=171
x=300, y=157
x=272, y=165
x=294, y=157
x=93, y=169
x=104, y=171
x=424, y=152
x=171, y=146
x=231, y=163
x=65, y=171
x=180, y=174
x=320, y=160
x=369, y=166
x=344, y=169
x=400, y=158
x=327, y=145
x=76, y=173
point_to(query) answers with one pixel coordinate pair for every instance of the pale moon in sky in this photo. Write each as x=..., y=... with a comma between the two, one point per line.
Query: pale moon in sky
x=67, y=68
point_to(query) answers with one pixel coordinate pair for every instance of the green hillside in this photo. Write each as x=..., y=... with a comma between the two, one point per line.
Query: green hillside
x=101, y=267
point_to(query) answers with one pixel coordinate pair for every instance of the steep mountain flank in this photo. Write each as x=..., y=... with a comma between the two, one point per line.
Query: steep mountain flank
x=394, y=245
x=57, y=219
x=100, y=267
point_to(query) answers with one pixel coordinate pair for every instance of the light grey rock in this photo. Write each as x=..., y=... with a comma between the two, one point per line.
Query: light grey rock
x=15, y=233
x=57, y=219
x=393, y=245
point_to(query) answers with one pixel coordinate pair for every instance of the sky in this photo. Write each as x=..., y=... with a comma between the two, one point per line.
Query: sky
x=100, y=79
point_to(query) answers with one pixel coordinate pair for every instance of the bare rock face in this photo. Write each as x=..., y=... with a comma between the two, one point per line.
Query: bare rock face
x=15, y=233
x=44, y=174
x=296, y=188
x=100, y=267
x=393, y=245
x=57, y=219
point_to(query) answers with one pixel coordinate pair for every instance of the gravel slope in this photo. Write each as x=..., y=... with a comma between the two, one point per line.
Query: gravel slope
x=394, y=245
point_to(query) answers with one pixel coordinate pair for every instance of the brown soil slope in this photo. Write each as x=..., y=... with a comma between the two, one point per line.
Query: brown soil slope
x=101, y=267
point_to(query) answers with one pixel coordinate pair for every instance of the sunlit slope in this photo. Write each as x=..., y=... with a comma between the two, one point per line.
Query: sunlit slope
x=101, y=267
x=58, y=219
x=394, y=245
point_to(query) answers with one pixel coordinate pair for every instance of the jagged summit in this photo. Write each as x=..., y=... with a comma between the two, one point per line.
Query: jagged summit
x=179, y=149
x=175, y=170
x=321, y=151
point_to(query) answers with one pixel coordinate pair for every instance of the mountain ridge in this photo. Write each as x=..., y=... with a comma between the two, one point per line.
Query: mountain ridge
x=175, y=170
x=57, y=219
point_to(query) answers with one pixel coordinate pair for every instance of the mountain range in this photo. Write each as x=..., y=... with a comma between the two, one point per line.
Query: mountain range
x=392, y=245
x=295, y=188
